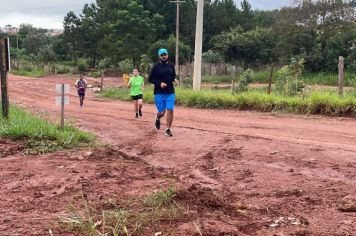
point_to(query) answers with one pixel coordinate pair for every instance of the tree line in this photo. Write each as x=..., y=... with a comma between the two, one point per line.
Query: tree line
x=114, y=30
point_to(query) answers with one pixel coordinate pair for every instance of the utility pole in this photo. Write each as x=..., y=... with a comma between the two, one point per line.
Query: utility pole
x=198, y=45
x=17, y=51
x=177, y=37
x=4, y=68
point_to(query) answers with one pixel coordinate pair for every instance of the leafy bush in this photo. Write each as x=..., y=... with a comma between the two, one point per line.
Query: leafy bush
x=126, y=66
x=212, y=57
x=95, y=74
x=288, y=78
x=145, y=64
x=105, y=63
x=63, y=69
x=82, y=65
x=245, y=79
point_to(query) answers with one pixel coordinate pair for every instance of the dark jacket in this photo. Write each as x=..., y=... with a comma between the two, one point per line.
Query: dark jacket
x=162, y=72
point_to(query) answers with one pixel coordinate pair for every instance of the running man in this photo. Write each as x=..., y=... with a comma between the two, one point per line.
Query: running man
x=162, y=76
x=136, y=85
x=81, y=85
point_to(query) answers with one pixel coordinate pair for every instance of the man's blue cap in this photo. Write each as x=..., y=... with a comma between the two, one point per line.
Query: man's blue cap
x=162, y=51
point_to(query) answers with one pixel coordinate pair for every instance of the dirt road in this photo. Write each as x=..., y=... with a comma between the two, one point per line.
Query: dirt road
x=293, y=175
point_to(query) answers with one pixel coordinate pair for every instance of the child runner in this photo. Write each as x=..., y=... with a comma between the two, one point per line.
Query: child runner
x=136, y=85
x=81, y=85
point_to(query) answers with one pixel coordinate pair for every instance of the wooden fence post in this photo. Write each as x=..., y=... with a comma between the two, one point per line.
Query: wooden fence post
x=232, y=87
x=341, y=76
x=102, y=80
x=270, y=79
x=4, y=67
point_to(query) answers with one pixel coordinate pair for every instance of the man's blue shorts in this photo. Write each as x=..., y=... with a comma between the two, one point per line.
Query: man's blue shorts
x=164, y=101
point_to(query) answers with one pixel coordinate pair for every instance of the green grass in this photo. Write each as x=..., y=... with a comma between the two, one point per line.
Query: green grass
x=322, y=78
x=316, y=103
x=32, y=73
x=219, y=79
x=262, y=77
x=160, y=198
x=37, y=70
x=40, y=136
x=140, y=213
x=327, y=79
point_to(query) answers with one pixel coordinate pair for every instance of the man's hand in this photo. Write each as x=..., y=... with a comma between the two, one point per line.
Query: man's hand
x=163, y=85
x=176, y=82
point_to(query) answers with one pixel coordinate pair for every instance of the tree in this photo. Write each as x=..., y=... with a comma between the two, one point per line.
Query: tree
x=134, y=30
x=219, y=16
x=46, y=55
x=60, y=47
x=251, y=48
x=34, y=41
x=73, y=33
x=185, y=52
x=316, y=31
x=212, y=57
x=246, y=15
x=26, y=29
x=264, y=19
x=89, y=29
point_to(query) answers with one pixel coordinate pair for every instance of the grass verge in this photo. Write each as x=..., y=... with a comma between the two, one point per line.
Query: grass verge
x=40, y=136
x=316, y=103
x=29, y=73
x=328, y=79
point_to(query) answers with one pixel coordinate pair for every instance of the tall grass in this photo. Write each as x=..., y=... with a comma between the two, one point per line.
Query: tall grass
x=40, y=135
x=35, y=72
x=328, y=79
x=323, y=78
x=219, y=79
x=317, y=102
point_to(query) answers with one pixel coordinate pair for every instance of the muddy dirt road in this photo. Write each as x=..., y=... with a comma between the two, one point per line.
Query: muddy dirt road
x=292, y=175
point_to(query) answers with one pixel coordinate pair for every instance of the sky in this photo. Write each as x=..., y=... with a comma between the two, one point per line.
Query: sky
x=49, y=14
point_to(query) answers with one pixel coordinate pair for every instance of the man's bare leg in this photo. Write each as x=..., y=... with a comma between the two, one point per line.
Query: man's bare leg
x=169, y=118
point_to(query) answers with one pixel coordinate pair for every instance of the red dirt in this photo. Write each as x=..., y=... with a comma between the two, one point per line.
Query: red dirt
x=238, y=173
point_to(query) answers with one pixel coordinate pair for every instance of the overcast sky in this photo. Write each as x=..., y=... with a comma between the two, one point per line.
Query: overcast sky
x=50, y=13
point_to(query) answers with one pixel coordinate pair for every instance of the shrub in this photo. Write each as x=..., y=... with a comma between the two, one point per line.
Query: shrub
x=82, y=65
x=245, y=79
x=288, y=78
x=126, y=66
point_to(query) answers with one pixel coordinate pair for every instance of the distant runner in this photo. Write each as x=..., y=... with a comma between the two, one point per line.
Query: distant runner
x=162, y=76
x=136, y=84
x=81, y=85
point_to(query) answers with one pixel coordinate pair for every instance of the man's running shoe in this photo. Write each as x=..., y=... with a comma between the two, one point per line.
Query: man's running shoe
x=136, y=115
x=168, y=132
x=157, y=122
